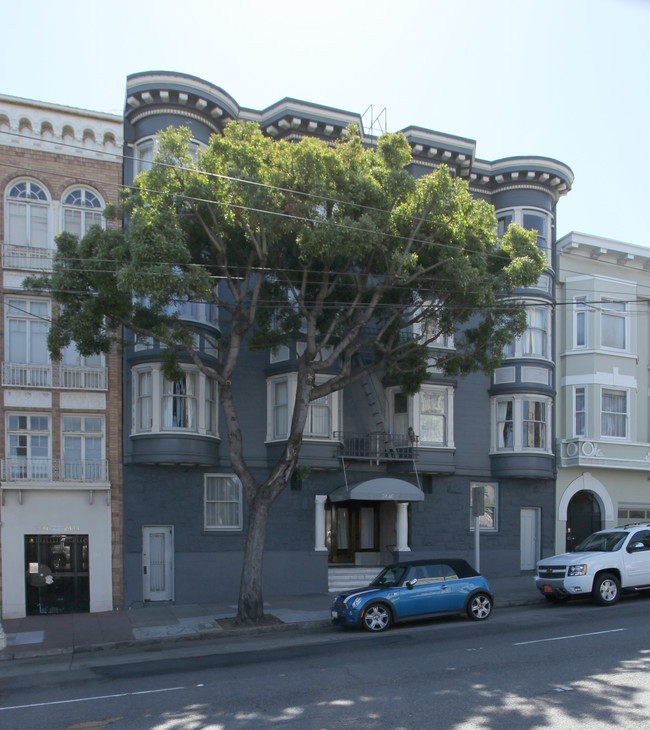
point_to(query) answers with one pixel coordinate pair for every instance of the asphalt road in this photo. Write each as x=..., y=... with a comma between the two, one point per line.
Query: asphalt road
x=533, y=667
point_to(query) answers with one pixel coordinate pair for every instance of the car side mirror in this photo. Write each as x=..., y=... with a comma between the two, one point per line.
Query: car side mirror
x=635, y=547
x=411, y=583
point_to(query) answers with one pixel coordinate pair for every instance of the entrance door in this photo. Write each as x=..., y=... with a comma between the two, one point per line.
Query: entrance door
x=158, y=563
x=530, y=533
x=352, y=528
x=583, y=518
x=57, y=579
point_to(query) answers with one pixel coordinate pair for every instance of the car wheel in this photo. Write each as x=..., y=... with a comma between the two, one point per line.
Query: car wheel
x=479, y=607
x=607, y=589
x=377, y=617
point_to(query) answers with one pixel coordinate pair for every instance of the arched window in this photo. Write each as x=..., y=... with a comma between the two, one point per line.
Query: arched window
x=82, y=209
x=28, y=215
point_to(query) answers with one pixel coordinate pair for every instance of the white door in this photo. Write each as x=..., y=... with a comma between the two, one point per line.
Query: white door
x=530, y=529
x=158, y=563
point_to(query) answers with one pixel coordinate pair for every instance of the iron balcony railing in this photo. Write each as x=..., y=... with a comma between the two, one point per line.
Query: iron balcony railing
x=20, y=469
x=54, y=376
x=376, y=446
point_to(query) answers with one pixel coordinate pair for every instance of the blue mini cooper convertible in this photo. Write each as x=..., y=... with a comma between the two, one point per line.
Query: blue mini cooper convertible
x=415, y=590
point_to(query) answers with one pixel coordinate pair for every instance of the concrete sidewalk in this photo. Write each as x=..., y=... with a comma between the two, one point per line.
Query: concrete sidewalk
x=36, y=636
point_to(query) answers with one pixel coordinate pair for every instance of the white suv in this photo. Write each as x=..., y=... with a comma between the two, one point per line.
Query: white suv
x=602, y=565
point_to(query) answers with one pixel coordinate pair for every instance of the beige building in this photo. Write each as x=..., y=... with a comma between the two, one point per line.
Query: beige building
x=60, y=451
x=603, y=386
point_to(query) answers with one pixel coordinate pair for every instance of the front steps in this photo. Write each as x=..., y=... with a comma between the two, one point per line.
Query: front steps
x=347, y=578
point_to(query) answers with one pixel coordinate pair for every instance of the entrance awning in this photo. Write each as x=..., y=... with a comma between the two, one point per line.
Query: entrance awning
x=385, y=489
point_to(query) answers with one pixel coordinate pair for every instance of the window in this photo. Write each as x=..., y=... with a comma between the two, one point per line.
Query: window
x=222, y=502
x=188, y=404
x=83, y=448
x=534, y=342
x=534, y=424
x=529, y=219
x=211, y=406
x=580, y=309
x=280, y=391
x=143, y=156
x=81, y=210
x=28, y=447
x=428, y=413
x=433, y=411
x=322, y=416
x=179, y=404
x=81, y=371
x=488, y=521
x=28, y=216
x=580, y=412
x=319, y=418
x=26, y=353
x=505, y=424
x=613, y=324
x=613, y=414
x=521, y=422
x=143, y=401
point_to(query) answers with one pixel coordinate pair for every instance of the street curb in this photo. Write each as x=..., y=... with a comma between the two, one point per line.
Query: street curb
x=209, y=635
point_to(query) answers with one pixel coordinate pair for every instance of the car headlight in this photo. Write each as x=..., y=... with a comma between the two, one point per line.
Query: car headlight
x=356, y=602
x=577, y=570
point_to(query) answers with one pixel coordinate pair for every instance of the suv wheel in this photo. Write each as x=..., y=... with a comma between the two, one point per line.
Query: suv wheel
x=606, y=590
x=377, y=617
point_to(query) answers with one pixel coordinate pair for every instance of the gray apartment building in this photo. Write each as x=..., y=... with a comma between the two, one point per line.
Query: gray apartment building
x=362, y=504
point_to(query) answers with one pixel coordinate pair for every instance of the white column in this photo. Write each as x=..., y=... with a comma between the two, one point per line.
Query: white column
x=402, y=527
x=319, y=517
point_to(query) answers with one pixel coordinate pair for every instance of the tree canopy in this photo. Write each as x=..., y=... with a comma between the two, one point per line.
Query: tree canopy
x=335, y=244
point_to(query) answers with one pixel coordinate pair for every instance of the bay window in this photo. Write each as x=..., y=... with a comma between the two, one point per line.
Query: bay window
x=535, y=341
x=188, y=404
x=521, y=423
x=530, y=219
x=580, y=412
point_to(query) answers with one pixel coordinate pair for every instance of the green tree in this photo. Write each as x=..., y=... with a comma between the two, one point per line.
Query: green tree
x=336, y=242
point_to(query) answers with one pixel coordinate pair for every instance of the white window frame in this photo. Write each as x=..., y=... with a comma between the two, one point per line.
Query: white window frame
x=88, y=469
x=291, y=380
x=29, y=204
x=608, y=310
x=518, y=446
x=580, y=322
x=626, y=414
x=90, y=214
x=156, y=379
x=35, y=467
x=519, y=347
x=517, y=215
x=142, y=160
x=579, y=392
x=488, y=522
x=415, y=414
x=235, y=525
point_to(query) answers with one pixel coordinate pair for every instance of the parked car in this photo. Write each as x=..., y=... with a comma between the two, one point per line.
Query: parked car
x=603, y=565
x=415, y=590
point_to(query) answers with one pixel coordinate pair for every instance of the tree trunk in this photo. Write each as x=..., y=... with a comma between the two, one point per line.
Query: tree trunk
x=251, y=604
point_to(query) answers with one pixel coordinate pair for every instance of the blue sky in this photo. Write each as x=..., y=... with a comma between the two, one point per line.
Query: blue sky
x=568, y=79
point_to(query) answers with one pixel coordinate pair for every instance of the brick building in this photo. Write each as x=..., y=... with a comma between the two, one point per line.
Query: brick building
x=60, y=480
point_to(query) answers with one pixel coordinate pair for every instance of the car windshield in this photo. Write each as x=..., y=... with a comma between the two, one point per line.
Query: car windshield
x=391, y=576
x=602, y=542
